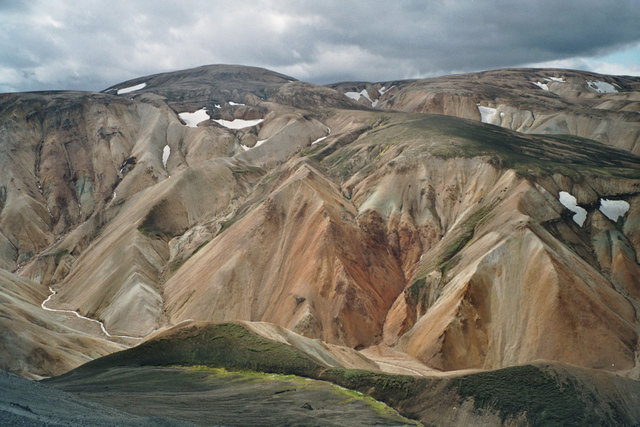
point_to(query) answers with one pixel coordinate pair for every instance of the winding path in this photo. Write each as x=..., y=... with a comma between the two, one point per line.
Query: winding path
x=44, y=307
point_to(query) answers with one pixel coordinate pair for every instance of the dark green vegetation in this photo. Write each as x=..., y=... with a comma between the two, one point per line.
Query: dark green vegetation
x=514, y=390
x=213, y=396
x=226, y=345
x=419, y=292
x=201, y=350
x=27, y=403
x=61, y=254
x=450, y=137
x=529, y=155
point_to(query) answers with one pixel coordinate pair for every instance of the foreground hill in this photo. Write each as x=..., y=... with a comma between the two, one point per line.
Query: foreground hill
x=538, y=394
x=429, y=242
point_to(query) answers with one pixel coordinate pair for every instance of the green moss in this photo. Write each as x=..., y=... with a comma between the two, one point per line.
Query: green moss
x=459, y=238
x=148, y=226
x=301, y=382
x=59, y=255
x=415, y=291
x=527, y=389
x=385, y=387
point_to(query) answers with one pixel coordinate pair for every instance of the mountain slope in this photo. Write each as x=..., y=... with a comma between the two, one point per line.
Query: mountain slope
x=436, y=237
x=546, y=101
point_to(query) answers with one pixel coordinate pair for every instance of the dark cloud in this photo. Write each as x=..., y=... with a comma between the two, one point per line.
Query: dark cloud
x=53, y=44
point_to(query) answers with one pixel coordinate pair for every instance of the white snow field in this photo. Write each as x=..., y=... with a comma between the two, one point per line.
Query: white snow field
x=166, y=152
x=613, y=209
x=489, y=115
x=131, y=88
x=570, y=202
x=192, y=119
x=238, y=123
x=602, y=87
x=541, y=85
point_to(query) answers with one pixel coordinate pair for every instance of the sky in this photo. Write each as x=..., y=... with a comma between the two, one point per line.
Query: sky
x=94, y=44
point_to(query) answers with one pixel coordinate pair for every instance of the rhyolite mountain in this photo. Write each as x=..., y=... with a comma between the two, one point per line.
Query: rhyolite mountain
x=416, y=227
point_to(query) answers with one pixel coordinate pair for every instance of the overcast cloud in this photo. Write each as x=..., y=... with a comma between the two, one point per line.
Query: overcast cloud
x=90, y=45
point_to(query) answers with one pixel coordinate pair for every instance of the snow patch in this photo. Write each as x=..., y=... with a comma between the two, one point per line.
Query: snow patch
x=602, y=87
x=570, y=202
x=383, y=90
x=234, y=103
x=323, y=137
x=166, y=151
x=487, y=114
x=217, y=106
x=238, y=123
x=613, y=209
x=556, y=79
x=541, y=85
x=258, y=143
x=131, y=88
x=192, y=119
x=357, y=95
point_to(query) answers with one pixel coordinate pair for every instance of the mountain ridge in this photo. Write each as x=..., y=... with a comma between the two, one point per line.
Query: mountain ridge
x=424, y=223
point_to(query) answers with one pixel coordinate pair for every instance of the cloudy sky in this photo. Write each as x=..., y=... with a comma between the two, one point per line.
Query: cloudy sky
x=93, y=44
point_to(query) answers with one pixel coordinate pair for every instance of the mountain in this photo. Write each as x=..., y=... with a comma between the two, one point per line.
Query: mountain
x=433, y=227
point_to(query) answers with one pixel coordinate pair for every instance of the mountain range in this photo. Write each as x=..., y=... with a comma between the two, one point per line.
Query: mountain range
x=464, y=249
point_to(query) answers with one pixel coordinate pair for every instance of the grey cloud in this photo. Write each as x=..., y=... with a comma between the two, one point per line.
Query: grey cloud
x=92, y=45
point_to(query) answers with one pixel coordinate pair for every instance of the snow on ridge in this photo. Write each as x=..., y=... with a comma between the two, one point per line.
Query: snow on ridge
x=238, y=123
x=613, y=209
x=602, y=87
x=571, y=203
x=541, y=85
x=192, y=119
x=166, y=152
x=131, y=88
x=557, y=79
